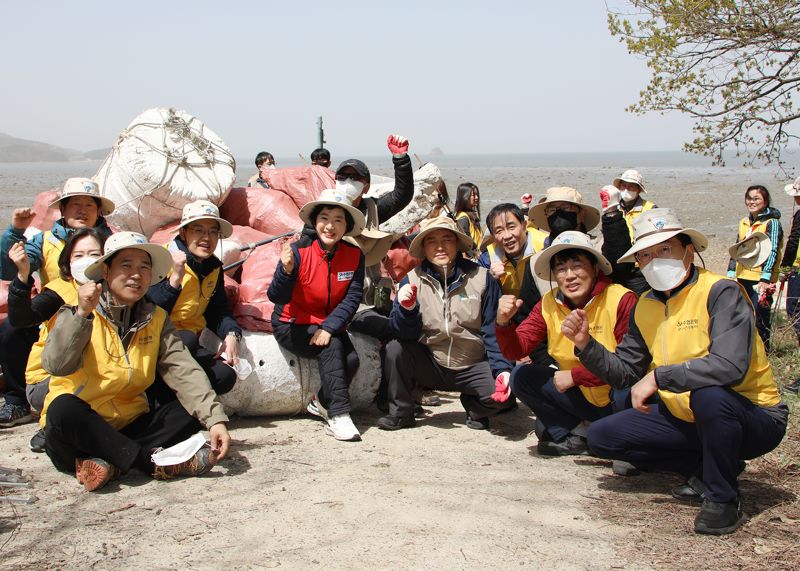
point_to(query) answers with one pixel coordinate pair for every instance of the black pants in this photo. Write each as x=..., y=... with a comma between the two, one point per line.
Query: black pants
x=338, y=362
x=409, y=365
x=74, y=430
x=728, y=428
x=221, y=376
x=763, y=314
x=15, y=347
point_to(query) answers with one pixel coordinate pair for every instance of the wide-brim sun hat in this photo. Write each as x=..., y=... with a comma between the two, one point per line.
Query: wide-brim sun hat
x=205, y=210
x=631, y=175
x=793, y=188
x=373, y=243
x=159, y=256
x=569, y=240
x=752, y=251
x=659, y=225
x=80, y=186
x=416, y=248
x=333, y=197
x=591, y=215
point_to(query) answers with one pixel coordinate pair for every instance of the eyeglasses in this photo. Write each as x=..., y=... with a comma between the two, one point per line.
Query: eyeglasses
x=646, y=256
x=550, y=210
x=200, y=231
x=753, y=199
x=576, y=267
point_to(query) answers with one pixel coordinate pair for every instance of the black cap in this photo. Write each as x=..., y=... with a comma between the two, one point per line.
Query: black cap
x=359, y=167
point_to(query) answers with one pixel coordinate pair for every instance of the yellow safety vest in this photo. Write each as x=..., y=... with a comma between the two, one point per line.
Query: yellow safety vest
x=68, y=291
x=745, y=229
x=679, y=333
x=630, y=215
x=188, y=312
x=112, y=380
x=51, y=250
x=474, y=229
x=511, y=282
x=601, y=312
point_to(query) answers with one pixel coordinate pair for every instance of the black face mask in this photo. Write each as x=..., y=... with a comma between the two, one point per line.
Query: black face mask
x=561, y=221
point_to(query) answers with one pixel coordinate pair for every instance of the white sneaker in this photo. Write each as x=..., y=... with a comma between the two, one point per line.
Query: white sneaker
x=316, y=409
x=341, y=427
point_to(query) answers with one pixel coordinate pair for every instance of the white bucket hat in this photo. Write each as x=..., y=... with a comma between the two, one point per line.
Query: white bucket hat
x=205, y=210
x=159, y=256
x=84, y=187
x=373, y=243
x=591, y=216
x=659, y=225
x=333, y=197
x=439, y=223
x=631, y=175
x=752, y=251
x=793, y=189
x=569, y=240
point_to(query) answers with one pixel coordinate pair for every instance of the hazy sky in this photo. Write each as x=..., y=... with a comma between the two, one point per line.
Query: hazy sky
x=466, y=76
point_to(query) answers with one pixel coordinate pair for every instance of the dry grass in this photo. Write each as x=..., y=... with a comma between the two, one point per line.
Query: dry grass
x=662, y=534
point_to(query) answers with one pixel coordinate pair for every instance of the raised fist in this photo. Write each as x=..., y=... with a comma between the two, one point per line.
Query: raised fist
x=19, y=256
x=88, y=298
x=609, y=198
x=178, y=268
x=397, y=145
x=21, y=218
x=407, y=296
x=287, y=257
x=507, y=308
x=497, y=269
x=575, y=327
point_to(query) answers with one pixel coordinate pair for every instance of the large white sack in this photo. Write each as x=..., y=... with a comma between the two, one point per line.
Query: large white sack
x=163, y=160
x=282, y=383
x=426, y=180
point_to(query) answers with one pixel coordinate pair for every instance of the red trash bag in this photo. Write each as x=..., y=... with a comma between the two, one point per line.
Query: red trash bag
x=165, y=234
x=43, y=217
x=231, y=290
x=398, y=261
x=301, y=184
x=265, y=209
x=4, y=300
x=253, y=312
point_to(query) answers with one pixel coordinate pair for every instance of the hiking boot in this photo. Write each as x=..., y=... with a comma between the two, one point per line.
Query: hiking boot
x=314, y=408
x=202, y=461
x=14, y=414
x=38, y=441
x=94, y=473
x=390, y=422
x=718, y=518
x=693, y=490
x=341, y=427
x=477, y=423
x=430, y=398
x=570, y=446
x=794, y=388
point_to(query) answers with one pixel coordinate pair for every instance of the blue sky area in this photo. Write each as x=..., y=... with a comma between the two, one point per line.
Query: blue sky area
x=467, y=77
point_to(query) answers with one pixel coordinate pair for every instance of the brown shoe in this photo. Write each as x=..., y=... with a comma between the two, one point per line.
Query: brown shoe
x=202, y=461
x=94, y=473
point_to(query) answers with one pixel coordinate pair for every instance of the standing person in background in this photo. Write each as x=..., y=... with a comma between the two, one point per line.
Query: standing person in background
x=321, y=157
x=789, y=272
x=264, y=162
x=759, y=282
x=561, y=210
x=468, y=215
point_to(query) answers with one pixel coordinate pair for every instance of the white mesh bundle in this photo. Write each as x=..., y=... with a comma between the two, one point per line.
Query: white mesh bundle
x=163, y=160
x=426, y=180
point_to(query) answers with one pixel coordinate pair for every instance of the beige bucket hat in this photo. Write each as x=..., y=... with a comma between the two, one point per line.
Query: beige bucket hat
x=159, y=256
x=205, y=210
x=752, y=251
x=438, y=223
x=591, y=216
x=568, y=240
x=631, y=175
x=659, y=225
x=793, y=189
x=333, y=197
x=373, y=243
x=84, y=187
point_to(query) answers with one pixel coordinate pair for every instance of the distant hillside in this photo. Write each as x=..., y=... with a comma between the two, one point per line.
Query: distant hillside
x=13, y=150
x=97, y=154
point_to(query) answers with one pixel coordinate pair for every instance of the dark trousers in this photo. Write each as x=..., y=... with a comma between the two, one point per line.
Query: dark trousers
x=409, y=365
x=559, y=412
x=74, y=430
x=221, y=376
x=728, y=428
x=793, y=301
x=763, y=319
x=338, y=362
x=15, y=347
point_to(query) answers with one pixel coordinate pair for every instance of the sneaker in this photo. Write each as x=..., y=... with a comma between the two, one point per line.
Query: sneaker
x=571, y=446
x=793, y=388
x=202, y=461
x=718, y=518
x=430, y=398
x=94, y=473
x=314, y=408
x=693, y=490
x=390, y=422
x=38, y=441
x=341, y=427
x=14, y=414
x=477, y=423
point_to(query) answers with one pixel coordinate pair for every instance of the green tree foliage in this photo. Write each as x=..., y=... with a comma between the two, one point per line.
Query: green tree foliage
x=732, y=65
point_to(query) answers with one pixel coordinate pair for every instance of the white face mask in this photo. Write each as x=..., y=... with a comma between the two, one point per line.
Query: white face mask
x=628, y=195
x=78, y=268
x=351, y=188
x=664, y=274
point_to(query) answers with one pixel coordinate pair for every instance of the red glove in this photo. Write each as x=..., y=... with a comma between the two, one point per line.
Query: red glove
x=407, y=296
x=502, y=390
x=768, y=291
x=397, y=144
x=609, y=197
x=527, y=198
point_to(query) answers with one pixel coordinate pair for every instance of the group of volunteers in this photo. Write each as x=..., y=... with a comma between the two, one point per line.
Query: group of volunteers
x=618, y=342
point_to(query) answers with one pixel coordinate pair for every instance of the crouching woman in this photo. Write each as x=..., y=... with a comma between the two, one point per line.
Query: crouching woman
x=103, y=354
x=316, y=290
